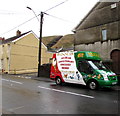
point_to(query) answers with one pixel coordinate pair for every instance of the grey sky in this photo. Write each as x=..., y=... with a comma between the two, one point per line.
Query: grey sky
x=60, y=21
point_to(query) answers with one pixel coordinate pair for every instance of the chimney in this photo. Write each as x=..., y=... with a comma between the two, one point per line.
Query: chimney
x=18, y=33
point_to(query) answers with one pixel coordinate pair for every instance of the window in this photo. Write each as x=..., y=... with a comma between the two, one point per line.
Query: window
x=98, y=65
x=113, y=6
x=84, y=67
x=104, y=34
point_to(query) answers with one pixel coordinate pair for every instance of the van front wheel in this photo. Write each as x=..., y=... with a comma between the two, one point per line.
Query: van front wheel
x=58, y=81
x=93, y=85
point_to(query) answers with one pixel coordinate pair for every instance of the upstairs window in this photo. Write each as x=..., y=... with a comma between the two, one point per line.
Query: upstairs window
x=104, y=35
x=113, y=6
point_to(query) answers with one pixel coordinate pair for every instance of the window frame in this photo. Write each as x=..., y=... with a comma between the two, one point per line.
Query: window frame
x=104, y=34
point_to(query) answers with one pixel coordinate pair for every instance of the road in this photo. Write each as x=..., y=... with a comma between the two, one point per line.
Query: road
x=23, y=95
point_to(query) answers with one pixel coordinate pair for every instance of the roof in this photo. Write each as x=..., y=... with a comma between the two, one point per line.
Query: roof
x=85, y=17
x=89, y=17
x=14, y=38
x=65, y=42
x=50, y=39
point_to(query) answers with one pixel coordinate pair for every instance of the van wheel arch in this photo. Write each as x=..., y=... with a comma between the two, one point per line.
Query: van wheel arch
x=92, y=84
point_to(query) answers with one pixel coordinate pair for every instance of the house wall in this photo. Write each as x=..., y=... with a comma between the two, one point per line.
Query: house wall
x=91, y=35
x=104, y=48
x=21, y=56
x=5, y=57
x=45, y=55
x=1, y=52
x=24, y=55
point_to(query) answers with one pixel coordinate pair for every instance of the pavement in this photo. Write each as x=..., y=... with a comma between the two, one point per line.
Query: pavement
x=33, y=76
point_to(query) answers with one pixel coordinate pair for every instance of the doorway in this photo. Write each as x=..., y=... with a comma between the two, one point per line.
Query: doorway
x=115, y=56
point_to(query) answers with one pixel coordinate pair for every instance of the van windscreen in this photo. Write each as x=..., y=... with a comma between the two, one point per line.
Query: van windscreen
x=97, y=65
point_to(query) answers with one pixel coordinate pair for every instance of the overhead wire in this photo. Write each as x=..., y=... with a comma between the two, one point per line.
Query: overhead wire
x=6, y=12
x=56, y=5
x=59, y=18
x=18, y=26
x=38, y=15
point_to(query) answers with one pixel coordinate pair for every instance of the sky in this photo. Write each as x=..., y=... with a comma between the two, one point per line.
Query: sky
x=61, y=20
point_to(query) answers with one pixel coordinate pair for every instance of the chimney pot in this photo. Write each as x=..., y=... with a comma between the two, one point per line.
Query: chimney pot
x=18, y=33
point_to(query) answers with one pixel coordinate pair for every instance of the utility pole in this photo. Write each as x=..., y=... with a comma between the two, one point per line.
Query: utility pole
x=40, y=43
x=40, y=38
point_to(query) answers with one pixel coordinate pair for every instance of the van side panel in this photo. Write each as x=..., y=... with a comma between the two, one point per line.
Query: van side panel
x=64, y=66
x=55, y=72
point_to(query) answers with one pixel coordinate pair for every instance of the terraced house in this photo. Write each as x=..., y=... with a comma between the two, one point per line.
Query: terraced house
x=99, y=31
x=19, y=54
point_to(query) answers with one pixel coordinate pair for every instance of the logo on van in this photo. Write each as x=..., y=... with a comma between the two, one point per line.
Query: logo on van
x=80, y=55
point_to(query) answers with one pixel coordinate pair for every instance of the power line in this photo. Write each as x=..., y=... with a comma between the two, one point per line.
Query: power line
x=56, y=5
x=59, y=18
x=37, y=15
x=7, y=13
x=17, y=26
x=32, y=19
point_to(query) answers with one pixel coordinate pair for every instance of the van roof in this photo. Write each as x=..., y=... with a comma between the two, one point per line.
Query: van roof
x=87, y=55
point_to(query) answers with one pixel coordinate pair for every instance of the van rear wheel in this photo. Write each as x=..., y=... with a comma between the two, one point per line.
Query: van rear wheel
x=58, y=81
x=93, y=85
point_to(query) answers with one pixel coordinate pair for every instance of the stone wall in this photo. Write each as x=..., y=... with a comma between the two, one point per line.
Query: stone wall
x=104, y=48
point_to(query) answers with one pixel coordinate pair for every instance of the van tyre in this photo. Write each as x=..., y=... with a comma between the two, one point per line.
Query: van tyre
x=58, y=81
x=93, y=85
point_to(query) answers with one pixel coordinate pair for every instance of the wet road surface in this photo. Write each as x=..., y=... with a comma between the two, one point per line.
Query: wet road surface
x=23, y=95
